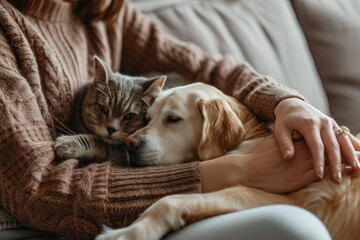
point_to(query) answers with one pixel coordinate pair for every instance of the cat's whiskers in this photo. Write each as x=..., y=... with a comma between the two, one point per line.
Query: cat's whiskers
x=61, y=129
x=147, y=104
x=83, y=143
x=82, y=127
x=64, y=127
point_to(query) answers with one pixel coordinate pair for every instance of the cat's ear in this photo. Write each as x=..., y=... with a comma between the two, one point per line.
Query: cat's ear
x=152, y=87
x=101, y=71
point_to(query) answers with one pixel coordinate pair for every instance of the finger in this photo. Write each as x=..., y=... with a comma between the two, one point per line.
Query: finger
x=347, y=149
x=332, y=150
x=346, y=170
x=310, y=176
x=314, y=141
x=355, y=141
x=284, y=139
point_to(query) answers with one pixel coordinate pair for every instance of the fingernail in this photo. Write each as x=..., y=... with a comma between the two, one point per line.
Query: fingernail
x=286, y=154
x=345, y=129
x=320, y=172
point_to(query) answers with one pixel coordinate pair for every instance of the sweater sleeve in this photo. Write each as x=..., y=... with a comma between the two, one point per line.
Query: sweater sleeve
x=63, y=198
x=146, y=47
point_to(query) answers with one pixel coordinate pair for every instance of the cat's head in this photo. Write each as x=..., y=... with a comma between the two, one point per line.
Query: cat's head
x=115, y=105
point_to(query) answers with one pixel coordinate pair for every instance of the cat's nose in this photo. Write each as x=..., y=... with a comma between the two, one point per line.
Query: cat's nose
x=134, y=141
x=110, y=130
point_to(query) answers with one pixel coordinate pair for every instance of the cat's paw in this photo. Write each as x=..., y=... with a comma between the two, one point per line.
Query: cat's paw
x=65, y=147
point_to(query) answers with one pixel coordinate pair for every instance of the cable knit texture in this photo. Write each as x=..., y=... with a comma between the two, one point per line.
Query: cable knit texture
x=44, y=58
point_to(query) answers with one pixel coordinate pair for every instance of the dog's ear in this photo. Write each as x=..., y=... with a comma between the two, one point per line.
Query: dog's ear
x=222, y=129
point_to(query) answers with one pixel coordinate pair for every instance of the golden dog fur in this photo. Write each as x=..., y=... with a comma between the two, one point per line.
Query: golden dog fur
x=229, y=126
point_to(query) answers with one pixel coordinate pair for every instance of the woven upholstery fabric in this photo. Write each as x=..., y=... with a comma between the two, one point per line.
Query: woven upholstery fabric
x=264, y=33
x=332, y=30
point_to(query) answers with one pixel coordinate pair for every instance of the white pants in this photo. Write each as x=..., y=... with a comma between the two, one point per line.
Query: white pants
x=278, y=222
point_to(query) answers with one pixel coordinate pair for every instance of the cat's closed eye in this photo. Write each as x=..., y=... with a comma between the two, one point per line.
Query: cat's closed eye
x=129, y=116
x=104, y=109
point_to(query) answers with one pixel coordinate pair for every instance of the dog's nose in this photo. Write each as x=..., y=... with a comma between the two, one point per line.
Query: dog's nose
x=134, y=141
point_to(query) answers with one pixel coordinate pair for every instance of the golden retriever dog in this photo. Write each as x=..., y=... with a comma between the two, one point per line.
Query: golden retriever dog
x=199, y=122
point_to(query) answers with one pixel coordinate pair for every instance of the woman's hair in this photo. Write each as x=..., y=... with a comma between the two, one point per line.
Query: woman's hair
x=88, y=10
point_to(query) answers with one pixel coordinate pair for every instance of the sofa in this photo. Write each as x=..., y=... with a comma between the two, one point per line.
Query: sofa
x=311, y=46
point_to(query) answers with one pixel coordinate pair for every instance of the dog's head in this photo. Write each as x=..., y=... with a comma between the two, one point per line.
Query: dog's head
x=196, y=121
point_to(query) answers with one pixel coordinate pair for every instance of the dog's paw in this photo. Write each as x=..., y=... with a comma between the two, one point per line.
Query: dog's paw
x=65, y=147
x=118, y=234
x=136, y=231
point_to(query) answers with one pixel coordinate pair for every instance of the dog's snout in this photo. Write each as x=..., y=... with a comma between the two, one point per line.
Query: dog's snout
x=134, y=141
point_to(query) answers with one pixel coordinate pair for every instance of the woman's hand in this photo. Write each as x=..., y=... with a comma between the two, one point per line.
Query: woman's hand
x=262, y=168
x=319, y=132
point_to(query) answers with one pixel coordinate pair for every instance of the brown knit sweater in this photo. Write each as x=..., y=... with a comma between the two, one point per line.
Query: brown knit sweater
x=44, y=58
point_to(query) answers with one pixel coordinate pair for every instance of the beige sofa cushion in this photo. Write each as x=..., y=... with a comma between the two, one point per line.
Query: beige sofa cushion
x=332, y=29
x=264, y=33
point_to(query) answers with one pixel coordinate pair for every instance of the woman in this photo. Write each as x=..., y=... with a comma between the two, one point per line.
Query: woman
x=47, y=49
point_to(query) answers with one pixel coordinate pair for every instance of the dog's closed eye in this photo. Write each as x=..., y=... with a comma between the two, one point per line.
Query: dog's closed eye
x=172, y=119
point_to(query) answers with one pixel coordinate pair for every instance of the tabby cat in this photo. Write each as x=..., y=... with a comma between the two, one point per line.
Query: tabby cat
x=105, y=112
